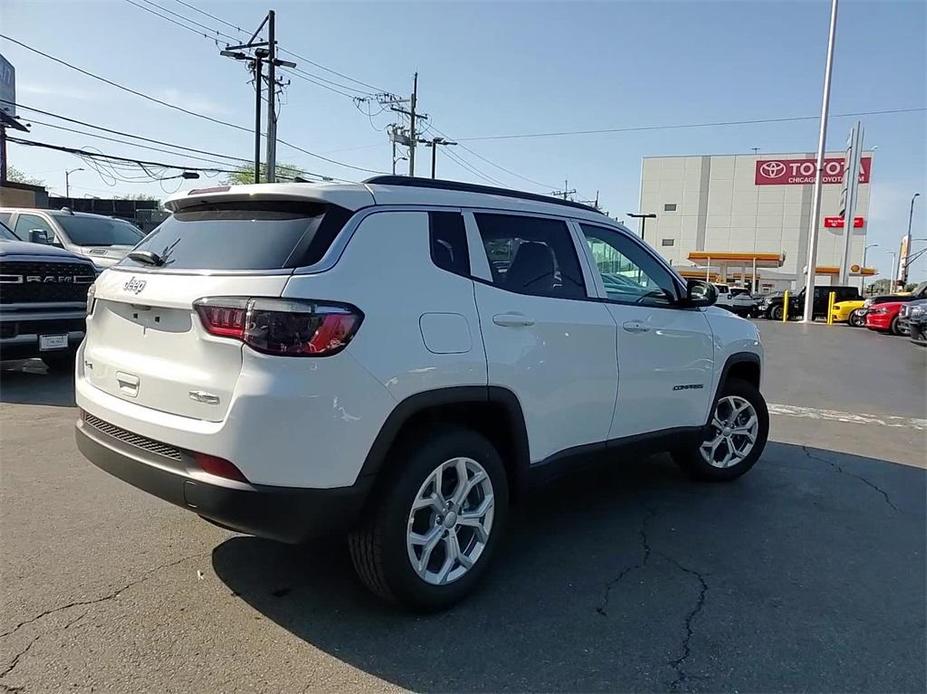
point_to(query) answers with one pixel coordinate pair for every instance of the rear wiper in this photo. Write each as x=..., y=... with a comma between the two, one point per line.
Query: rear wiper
x=147, y=257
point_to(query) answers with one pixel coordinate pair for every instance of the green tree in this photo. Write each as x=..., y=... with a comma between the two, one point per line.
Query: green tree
x=16, y=176
x=245, y=174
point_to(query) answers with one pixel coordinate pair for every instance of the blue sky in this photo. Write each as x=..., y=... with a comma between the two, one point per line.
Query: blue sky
x=498, y=68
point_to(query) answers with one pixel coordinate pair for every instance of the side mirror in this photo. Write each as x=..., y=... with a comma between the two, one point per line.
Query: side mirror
x=40, y=236
x=700, y=293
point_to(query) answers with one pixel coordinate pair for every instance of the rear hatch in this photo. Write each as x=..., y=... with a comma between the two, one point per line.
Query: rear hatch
x=145, y=341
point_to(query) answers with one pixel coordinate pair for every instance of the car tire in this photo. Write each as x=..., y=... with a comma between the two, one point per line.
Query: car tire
x=855, y=319
x=694, y=457
x=893, y=327
x=774, y=313
x=59, y=362
x=382, y=547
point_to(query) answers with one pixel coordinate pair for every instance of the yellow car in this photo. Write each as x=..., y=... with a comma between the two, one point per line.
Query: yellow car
x=849, y=312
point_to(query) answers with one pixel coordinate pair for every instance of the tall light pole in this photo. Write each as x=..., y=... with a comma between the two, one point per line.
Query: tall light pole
x=643, y=217
x=862, y=283
x=891, y=277
x=903, y=271
x=808, y=316
x=67, y=187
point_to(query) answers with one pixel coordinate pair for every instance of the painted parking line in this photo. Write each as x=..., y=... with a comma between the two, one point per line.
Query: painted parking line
x=848, y=417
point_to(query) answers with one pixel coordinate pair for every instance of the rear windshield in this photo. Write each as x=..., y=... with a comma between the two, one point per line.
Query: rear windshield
x=99, y=231
x=244, y=236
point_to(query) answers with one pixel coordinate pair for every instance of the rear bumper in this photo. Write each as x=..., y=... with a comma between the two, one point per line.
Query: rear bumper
x=287, y=514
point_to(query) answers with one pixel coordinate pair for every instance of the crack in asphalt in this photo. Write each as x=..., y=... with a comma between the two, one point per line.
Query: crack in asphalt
x=840, y=470
x=645, y=544
x=677, y=664
x=144, y=577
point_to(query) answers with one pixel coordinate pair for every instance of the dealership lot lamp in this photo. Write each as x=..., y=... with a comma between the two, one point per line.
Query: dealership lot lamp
x=643, y=217
x=862, y=286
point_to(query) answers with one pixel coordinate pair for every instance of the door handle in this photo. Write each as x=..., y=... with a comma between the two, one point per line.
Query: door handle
x=635, y=326
x=512, y=320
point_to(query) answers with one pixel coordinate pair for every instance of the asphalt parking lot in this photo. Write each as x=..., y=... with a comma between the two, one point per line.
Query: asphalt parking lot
x=807, y=574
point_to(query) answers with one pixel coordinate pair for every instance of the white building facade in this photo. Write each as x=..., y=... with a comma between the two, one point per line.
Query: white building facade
x=728, y=216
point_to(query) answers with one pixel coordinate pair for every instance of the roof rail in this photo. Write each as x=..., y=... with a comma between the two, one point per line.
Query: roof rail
x=440, y=184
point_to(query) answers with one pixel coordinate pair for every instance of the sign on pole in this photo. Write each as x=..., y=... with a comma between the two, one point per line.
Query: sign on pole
x=7, y=87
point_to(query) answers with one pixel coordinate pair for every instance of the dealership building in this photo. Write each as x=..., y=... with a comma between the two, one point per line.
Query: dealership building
x=745, y=218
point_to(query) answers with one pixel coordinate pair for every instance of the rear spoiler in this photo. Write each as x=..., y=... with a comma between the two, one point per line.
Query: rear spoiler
x=348, y=196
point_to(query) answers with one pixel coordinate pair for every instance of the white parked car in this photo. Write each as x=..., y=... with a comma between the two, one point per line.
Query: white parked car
x=103, y=240
x=399, y=359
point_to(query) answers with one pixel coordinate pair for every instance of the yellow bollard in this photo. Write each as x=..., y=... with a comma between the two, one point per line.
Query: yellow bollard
x=830, y=307
x=785, y=306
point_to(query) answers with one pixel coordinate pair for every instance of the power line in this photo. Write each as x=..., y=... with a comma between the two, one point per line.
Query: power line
x=301, y=172
x=309, y=77
x=212, y=16
x=462, y=163
x=284, y=50
x=715, y=124
x=113, y=157
x=132, y=144
x=124, y=88
x=180, y=108
x=186, y=19
x=501, y=168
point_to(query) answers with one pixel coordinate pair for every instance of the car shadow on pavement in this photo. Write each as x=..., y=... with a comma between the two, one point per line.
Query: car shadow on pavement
x=807, y=573
x=30, y=383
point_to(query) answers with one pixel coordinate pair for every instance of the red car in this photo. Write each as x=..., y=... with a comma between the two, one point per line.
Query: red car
x=884, y=317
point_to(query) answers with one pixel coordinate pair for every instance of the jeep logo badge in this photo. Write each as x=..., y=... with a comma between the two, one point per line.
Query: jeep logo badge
x=134, y=285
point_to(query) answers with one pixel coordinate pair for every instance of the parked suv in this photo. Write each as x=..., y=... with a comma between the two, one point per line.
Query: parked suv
x=43, y=294
x=400, y=359
x=104, y=240
x=772, y=306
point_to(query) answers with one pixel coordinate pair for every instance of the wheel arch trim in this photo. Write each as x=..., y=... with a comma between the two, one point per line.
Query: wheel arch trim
x=420, y=403
x=733, y=360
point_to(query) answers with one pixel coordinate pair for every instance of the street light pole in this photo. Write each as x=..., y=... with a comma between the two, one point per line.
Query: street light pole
x=903, y=271
x=862, y=283
x=643, y=217
x=67, y=186
x=808, y=316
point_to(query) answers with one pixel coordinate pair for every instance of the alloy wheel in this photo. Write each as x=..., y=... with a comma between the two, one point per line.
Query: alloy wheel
x=450, y=521
x=732, y=433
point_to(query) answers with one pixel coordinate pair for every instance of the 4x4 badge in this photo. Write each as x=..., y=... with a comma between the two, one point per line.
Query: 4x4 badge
x=134, y=285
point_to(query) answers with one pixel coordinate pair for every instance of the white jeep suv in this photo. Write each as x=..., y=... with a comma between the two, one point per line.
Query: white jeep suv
x=399, y=359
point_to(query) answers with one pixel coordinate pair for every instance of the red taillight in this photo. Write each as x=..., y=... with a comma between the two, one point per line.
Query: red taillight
x=224, y=321
x=219, y=467
x=287, y=327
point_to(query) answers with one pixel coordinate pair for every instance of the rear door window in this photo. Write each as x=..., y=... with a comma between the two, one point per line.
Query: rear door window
x=531, y=255
x=448, y=239
x=244, y=236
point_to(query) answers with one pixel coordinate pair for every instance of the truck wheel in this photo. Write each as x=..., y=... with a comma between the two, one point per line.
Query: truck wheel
x=774, y=313
x=733, y=440
x=434, y=522
x=855, y=319
x=60, y=362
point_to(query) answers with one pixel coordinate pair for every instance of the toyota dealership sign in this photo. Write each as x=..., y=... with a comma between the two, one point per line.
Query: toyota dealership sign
x=782, y=172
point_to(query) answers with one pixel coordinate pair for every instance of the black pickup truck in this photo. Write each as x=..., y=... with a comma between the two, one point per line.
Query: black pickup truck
x=43, y=301
x=772, y=306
